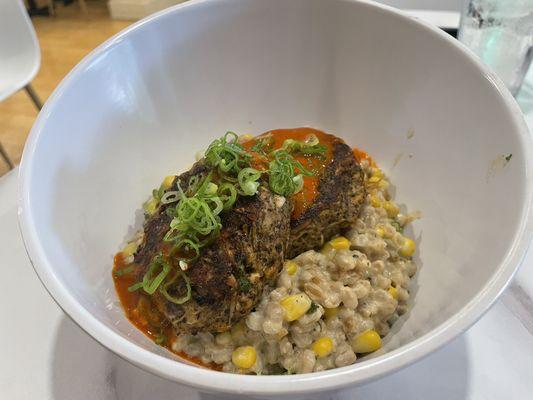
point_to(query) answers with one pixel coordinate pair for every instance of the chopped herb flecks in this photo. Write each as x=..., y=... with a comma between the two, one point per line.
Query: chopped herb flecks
x=313, y=308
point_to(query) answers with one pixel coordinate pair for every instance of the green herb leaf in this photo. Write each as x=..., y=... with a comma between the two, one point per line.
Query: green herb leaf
x=313, y=308
x=259, y=146
x=161, y=339
x=244, y=284
x=397, y=226
x=508, y=157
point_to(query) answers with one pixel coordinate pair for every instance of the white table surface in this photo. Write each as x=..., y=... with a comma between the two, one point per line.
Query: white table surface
x=44, y=355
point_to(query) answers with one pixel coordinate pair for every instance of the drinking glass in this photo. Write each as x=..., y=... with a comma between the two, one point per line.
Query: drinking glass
x=500, y=32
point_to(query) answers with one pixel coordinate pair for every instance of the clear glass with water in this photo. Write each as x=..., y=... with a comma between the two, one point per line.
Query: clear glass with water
x=500, y=32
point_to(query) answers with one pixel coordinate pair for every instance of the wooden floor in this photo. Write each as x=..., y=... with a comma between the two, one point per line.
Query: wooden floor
x=64, y=40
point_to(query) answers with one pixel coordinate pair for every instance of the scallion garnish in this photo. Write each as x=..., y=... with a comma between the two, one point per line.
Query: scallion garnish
x=151, y=283
x=166, y=285
x=228, y=195
x=285, y=174
x=170, y=197
x=248, y=181
x=309, y=146
x=124, y=271
x=259, y=146
x=227, y=155
x=135, y=287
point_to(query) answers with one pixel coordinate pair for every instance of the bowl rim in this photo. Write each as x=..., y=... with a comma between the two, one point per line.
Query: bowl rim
x=279, y=384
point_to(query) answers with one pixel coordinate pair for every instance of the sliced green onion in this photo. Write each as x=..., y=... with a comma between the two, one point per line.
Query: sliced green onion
x=308, y=146
x=170, y=197
x=247, y=179
x=195, y=219
x=259, y=146
x=169, y=297
x=189, y=246
x=227, y=154
x=311, y=140
x=135, y=287
x=283, y=170
x=150, y=283
x=211, y=189
x=228, y=195
x=124, y=271
x=298, y=183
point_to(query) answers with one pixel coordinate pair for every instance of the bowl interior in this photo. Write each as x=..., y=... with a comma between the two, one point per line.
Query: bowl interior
x=141, y=107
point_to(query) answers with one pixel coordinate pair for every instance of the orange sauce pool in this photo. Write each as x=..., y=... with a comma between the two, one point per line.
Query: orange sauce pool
x=314, y=163
x=361, y=155
x=143, y=313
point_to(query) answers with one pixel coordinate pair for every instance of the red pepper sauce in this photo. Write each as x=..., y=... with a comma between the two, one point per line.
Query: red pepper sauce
x=361, y=155
x=315, y=163
x=143, y=313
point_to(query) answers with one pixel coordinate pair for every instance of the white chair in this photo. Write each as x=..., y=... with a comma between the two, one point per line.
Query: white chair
x=20, y=56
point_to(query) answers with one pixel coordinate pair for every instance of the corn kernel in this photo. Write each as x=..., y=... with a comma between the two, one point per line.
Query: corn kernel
x=374, y=179
x=167, y=182
x=331, y=312
x=244, y=357
x=391, y=208
x=129, y=249
x=291, y=267
x=377, y=173
x=323, y=346
x=407, y=248
x=375, y=201
x=150, y=206
x=340, y=243
x=366, y=342
x=295, y=306
x=393, y=292
x=246, y=136
x=380, y=231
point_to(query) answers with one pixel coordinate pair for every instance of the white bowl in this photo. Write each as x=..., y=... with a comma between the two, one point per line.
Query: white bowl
x=140, y=106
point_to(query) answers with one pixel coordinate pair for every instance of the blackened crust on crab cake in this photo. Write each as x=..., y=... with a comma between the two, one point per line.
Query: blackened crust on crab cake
x=340, y=196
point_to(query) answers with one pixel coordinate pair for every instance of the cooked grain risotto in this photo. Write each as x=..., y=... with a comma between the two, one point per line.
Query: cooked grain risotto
x=328, y=307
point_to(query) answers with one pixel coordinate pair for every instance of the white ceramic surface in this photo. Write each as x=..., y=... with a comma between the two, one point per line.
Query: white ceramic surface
x=168, y=85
